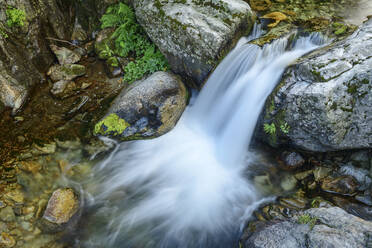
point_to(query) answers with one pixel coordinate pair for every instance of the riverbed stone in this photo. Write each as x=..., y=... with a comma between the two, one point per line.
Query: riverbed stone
x=65, y=55
x=12, y=93
x=7, y=240
x=325, y=98
x=292, y=160
x=148, y=108
x=7, y=214
x=279, y=235
x=359, y=174
x=194, y=35
x=66, y=72
x=345, y=185
x=61, y=208
x=321, y=172
x=64, y=88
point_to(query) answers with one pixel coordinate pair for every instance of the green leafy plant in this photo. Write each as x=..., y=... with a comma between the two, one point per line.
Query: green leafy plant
x=284, y=127
x=270, y=128
x=307, y=219
x=15, y=17
x=131, y=40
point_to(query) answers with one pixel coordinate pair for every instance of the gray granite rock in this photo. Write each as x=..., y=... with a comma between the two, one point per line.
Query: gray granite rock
x=326, y=97
x=194, y=35
x=321, y=227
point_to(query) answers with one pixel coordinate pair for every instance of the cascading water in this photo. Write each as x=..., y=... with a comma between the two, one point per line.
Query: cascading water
x=186, y=188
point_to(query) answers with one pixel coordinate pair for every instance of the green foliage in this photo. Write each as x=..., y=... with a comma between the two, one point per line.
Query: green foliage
x=270, y=128
x=3, y=33
x=15, y=17
x=307, y=219
x=284, y=127
x=131, y=40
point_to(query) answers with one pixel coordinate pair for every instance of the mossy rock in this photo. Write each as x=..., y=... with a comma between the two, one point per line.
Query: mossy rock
x=146, y=109
x=66, y=72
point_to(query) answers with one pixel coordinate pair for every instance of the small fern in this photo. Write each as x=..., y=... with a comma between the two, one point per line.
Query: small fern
x=131, y=40
x=285, y=128
x=270, y=128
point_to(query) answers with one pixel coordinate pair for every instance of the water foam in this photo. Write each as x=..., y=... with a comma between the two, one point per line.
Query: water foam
x=186, y=188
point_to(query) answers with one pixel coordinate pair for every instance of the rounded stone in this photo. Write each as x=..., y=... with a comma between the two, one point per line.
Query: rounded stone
x=61, y=208
x=146, y=109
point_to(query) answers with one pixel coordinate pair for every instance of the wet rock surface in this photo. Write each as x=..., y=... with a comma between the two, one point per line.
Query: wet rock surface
x=66, y=72
x=24, y=51
x=194, y=35
x=292, y=160
x=345, y=185
x=148, y=108
x=65, y=55
x=64, y=88
x=62, y=206
x=316, y=227
x=325, y=97
x=46, y=143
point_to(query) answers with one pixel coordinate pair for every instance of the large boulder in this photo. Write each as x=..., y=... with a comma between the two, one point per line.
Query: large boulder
x=324, y=102
x=146, y=109
x=194, y=35
x=316, y=227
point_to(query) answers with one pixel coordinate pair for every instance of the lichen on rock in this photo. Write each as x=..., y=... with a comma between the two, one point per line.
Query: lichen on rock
x=112, y=125
x=146, y=109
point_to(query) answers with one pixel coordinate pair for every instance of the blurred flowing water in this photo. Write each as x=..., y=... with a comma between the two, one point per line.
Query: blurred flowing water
x=187, y=188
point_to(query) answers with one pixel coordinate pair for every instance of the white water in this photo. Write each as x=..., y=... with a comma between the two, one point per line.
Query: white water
x=186, y=188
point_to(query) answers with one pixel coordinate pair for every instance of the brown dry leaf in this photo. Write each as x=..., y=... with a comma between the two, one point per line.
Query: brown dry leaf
x=277, y=16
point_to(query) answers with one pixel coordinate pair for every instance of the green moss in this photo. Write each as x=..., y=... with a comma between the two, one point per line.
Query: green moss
x=15, y=17
x=346, y=109
x=272, y=106
x=352, y=88
x=318, y=75
x=364, y=81
x=333, y=106
x=74, y=69
x=112, y=125
x=340, y=28
x=3, y=33
x=307, y=219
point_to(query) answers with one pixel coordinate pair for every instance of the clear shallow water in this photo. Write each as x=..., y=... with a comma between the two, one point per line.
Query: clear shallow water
x=187, y=188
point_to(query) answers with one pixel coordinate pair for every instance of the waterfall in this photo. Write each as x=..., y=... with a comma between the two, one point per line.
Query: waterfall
x=186, y=188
